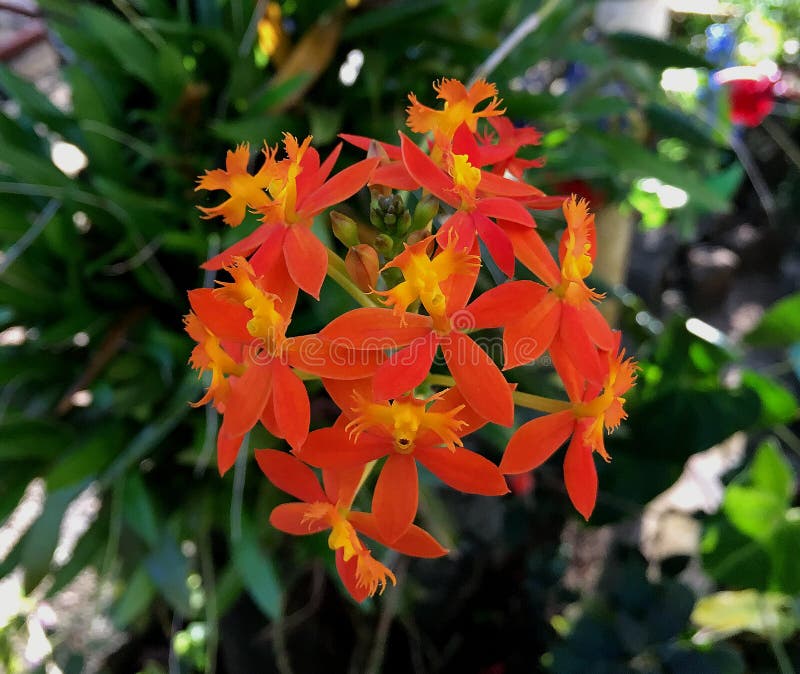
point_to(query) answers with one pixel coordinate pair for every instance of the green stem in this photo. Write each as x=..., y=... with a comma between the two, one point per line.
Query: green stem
x=513, y=39
x=338, y=272
x=782, y=657
x=533, y=402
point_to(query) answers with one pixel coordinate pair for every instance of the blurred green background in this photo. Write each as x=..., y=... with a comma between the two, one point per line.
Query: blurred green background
x=124, y=551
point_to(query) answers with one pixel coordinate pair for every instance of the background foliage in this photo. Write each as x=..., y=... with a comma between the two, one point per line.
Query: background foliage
x=96, y=386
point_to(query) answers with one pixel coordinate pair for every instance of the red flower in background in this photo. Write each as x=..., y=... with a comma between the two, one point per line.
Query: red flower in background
x=752, y=92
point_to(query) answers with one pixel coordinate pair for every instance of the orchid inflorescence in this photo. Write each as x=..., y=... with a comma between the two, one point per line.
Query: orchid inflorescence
x=465, y=182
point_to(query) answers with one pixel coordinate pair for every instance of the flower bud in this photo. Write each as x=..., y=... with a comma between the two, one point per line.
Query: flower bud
x=362, y=265
x=426, y=210
x=344, y=228
x=383, y=244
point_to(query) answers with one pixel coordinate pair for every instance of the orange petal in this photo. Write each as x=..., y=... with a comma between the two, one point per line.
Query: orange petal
x=416, y=542
x=376, y=329
x=347, y=572
x=527, y=340
x=341, y=484
x=505, y=304
x=290, y=402
x=249, y=394
x=535, y=442
x=406, y=368
x=578, y=347
x=574, y=382
x=421, y=167
x=533, y=253
x=394, y=175
x=344, y=393
x=289, y=474
x=396, y=495
x=499, y=186
x=497, y=242
x=507, y=209
x=478, y=378
x=331, y=448
x=227, y=450
x=339, y=188
x=226, y=320
x=288, y=517
x=364, y=143
x=463, y=470
x=306, y=258
x=332, y=359
x=580, y=475
x=241, y=248
x=597, y=327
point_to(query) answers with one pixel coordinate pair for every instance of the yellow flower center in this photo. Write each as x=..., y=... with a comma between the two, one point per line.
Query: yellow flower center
x=209, y=355
x=267, y=323
x=466, y=178
x=606, y=409
x=370, y=573
x=423, y=277
x=283, y=188
x=404, y=420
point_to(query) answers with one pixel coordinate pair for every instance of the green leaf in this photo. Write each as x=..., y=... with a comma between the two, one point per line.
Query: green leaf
x=636, y=161
x=755, y=513
x=598, y=107
x=780, y=325
x=28, y=438
x=168, y=569
x=87, y=459
x=772, y=473
x=275, y=94
x=725, y=614
x=656, y=53
x=34, y=103
x=384, y=17
x=138, y=510
x=131, y=51
x=135, y=600
x=733, y=559
x=88, y=552
x=254, y=130
x=671, y=122
x=42, y=538
x=257, y=572
x=778, y=405
x=784, y=550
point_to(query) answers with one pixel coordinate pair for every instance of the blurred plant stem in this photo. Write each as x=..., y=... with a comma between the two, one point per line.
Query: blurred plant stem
x=513, y=39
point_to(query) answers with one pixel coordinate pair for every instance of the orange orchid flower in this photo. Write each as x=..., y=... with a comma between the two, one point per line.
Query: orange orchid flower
x=592, y=409
x=330, y=508
x=298, y=191
x=244, y=190
x=407, y=430
x=444, y=289
x=500, y=150
x=561, y=313
x=478, y=197
x=246, y=313
x=459, y=108
x=372, y=359
x=210, y=356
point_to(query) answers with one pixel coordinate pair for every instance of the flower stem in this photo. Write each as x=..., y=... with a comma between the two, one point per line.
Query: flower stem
x=533, y=402
x=338, y=272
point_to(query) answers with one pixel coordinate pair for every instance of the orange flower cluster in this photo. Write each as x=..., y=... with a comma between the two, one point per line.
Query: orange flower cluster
x=464, y=181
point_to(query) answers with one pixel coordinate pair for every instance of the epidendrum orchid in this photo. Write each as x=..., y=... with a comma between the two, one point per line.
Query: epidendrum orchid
x=464, y=181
